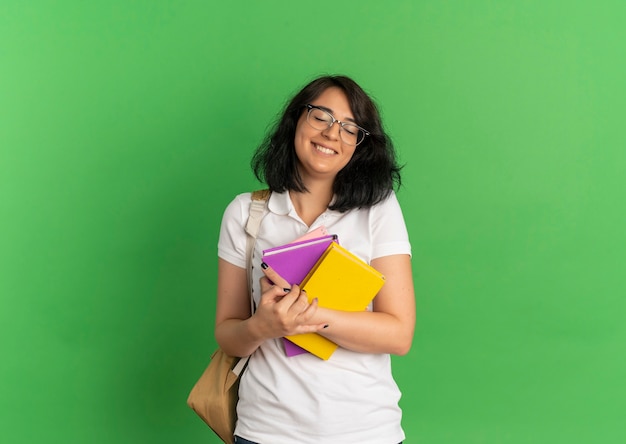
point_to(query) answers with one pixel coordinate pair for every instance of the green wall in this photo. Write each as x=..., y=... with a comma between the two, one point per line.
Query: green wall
x=127, y=126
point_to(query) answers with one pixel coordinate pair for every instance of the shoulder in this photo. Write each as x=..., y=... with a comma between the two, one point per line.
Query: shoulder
x=238, y=207
x=232, y=239
x=388, y=228
x=235, y=215
x=390, y=200
x=388, y=207
x=241, y=203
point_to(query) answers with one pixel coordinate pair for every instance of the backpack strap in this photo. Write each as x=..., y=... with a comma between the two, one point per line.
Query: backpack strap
x=262, y=195
x=257, y=211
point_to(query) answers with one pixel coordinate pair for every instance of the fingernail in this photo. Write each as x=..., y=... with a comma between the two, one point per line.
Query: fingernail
x=264, y=265
x=326, y=326
x=286, y=290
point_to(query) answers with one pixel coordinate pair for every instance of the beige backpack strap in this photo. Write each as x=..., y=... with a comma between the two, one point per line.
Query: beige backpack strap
x=262, y=195
x=257, y=211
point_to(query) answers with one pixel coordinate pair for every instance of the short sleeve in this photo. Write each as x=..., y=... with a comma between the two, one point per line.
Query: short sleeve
x=232, y=241
x=389, y=233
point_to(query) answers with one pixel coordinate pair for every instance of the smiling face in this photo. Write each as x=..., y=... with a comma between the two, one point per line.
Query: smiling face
x=321, y=153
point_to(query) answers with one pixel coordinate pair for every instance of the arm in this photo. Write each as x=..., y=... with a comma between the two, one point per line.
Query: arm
x=389, y=327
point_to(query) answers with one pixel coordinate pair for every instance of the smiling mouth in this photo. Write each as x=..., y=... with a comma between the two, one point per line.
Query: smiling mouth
x=323, y=149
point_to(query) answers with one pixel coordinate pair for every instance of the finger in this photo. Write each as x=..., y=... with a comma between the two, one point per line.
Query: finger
x=313, y=328
x=300, y=303
x=309, y=311
x=270, y=291
x=266, y=284
x=290, y=297
x=276, y=278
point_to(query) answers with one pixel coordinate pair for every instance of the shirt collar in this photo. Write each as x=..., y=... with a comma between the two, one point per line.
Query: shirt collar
x=280, y=204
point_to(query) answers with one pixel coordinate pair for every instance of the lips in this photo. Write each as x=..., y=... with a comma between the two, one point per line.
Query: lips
x=323, y=149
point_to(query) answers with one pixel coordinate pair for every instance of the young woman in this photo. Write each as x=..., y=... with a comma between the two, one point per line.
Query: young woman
x=327, y=162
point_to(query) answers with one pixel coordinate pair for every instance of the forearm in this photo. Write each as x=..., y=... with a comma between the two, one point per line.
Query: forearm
x=367, y=332
x=238, y=337
x=389, y=327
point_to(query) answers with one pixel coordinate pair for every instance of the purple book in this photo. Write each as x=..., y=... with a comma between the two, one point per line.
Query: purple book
x=293, y=262
x=292, y=349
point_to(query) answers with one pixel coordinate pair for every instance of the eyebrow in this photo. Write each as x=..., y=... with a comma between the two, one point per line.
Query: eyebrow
x=350, y=119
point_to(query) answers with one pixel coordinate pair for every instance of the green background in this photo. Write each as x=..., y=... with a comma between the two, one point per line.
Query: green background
x=127, y=126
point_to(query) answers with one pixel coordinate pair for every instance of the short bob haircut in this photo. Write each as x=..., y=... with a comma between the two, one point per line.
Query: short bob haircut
x=366, y=180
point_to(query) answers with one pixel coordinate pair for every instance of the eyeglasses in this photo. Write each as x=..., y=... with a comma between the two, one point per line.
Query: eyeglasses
x=320, y=119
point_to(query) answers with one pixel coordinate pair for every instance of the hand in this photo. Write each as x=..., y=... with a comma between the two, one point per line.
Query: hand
x=284, y=309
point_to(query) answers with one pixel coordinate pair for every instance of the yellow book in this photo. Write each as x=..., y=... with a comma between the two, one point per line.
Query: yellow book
x=341, y=281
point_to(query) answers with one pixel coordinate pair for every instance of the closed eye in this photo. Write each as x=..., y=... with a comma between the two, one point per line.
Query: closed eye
x=351, y=129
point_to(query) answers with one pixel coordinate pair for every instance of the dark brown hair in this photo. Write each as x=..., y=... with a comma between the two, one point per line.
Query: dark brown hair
x=367, y=179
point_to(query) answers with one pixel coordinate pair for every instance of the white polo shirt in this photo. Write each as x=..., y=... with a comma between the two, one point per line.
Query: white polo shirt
x=350, y=398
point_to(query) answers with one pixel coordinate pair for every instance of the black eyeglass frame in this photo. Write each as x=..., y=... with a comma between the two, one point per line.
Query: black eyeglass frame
x=310, y=108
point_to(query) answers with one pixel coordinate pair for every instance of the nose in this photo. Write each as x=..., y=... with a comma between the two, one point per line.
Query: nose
x=332, y=132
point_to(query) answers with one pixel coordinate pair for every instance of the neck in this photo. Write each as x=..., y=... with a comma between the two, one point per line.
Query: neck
x=310, y=205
